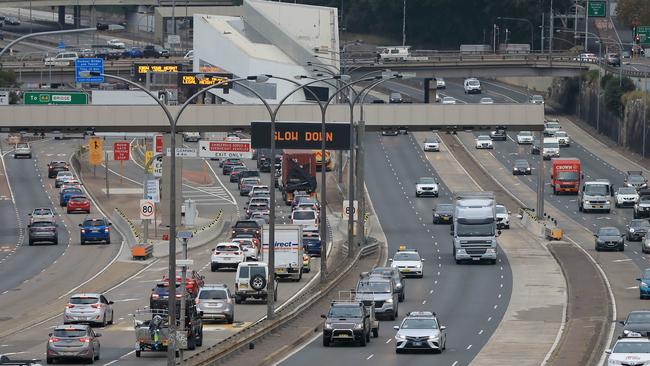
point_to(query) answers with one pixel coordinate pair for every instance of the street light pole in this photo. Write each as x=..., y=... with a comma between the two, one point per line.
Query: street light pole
x=404, y=24
x=48, y=33
x=532, y=28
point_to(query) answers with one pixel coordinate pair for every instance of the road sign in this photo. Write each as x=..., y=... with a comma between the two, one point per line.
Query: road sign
x=346, y=210
x=153, y=190
x=184, y=262
x=95, y=150
x=300, y=135
x=643, y=31
x=121, y=151
x=63, y=97
x=89, y=65
x=4, y=97
x=158, y=144
x=148, y=155
x=147, y=211
x=157, y=168
x=182, y=152
x=225, y=149
x=184, y=235
x=174, y=39
x=596, y=8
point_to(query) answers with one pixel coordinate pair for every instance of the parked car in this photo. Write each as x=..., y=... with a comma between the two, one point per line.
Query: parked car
x=155, y=51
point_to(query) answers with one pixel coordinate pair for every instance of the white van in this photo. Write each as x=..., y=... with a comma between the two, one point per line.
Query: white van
x=395, y=53
x=472, y=85
x=62, y=59
x=551, y=148
x=304, y=217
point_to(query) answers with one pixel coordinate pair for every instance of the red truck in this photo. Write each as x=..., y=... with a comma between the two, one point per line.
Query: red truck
x=565, y=175
x=298, y=173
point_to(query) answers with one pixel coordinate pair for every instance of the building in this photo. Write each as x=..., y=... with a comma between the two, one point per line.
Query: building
x=269, y=38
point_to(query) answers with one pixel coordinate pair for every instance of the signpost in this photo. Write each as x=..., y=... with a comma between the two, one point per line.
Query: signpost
x=346, y=209
x=643, y=31
x=152, y=190
x=121, y=152
x=93, y=65
x=157, y=168
x=597, y=9
x=183, y=152
x=225, y=149
x=147, y=211
x=148, y=155
x=62, y=97
x=174, y=39
x=95, y=151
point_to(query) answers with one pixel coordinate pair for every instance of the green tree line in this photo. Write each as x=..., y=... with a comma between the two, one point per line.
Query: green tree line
x=444, y=24
x=633, y=11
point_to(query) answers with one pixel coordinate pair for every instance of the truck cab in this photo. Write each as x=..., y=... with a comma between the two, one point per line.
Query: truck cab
x=550, y=148
x=565, y=175
x=596, y=195
x=298, y=174
x=474, y=230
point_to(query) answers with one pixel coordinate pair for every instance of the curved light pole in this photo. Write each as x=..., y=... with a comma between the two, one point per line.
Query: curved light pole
x=172, y=201
x=523, y=20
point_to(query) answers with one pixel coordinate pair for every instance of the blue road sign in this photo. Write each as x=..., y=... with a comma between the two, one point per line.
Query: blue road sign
x=89, y=64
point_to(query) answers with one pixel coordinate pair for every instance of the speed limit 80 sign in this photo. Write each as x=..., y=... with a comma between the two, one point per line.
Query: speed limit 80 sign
x=347, y=209
x=147, y=211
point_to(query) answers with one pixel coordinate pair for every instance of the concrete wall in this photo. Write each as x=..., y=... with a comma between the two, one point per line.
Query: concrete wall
x=538, y=84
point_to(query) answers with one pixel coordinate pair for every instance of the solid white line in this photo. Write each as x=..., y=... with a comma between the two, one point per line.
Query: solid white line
x=369, y=357
x=298, y=349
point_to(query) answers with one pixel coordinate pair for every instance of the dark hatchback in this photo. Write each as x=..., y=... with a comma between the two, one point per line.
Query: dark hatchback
x=443, y=213
x=609, y=238
x=521, y=167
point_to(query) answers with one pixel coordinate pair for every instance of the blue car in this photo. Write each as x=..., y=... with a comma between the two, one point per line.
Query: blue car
x=95, y=230
x=644, y=284
x=66, y=193
x=311, y=245
x=133, y=52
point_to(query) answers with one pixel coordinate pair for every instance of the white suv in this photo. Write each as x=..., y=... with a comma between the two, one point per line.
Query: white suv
x=22, y=149
x=426, y=186
x=251, y=280
x=62, y=59
x=226, y=255
x=472, y=85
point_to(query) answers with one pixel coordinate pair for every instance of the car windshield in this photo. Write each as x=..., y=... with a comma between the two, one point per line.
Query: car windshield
x=304, y=215
x=42, y=211
x=64, y=174
x=636, y=179
x=370, y=286
x=446, y=208
x=83, y=300
x=608, y=231
x=406, y=256
x=22, y=146
x=551, y=145
x=525, y=133
x=246, y=224
x=213, y=295
x=69, y=333
x=227, y=248
x=473, y=83
x=251, y=271
x=567, y=176
x=411, y=323
x=521, y=164
x=483, y=137
x=475, y=229
x=426, y=181
x=94, y=223
x=552, y=125
x=597, y=190
x=42, y=224
x=560, y=134
x=627, y=190
x=345, y=312
x=538, y=98
x=501, y=209
x=640, y=224
x=431, y=141
x=448, y=99
x=638, y=317
x=72, y=191
x=631, y=347
x=645, y=198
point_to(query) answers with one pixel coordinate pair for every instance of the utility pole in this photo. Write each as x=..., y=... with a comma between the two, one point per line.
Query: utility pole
x=586, y=24
x=550, y=31
x=494, y=38
x=404, y=24
x=645, y=108
x=541, y=46
x=540, y=181
x=575, y=24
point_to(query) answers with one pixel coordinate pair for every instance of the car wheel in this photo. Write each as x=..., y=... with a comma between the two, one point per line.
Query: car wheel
x=91, y=360
x=326, y=341
x=507, y=226
x=49, y=360
x=397, y=350
x=31, y=242
x=213, y=267
x=108, y=241
x=110, y=322
x=621, y=248
x=580, y=208
x=191, y=343
x=363, y=341
x=597, y=248
x=103, y=323
x=82, y=242
x=199, y=339
x=138, y=353
x=368, y=336
x=231, y=318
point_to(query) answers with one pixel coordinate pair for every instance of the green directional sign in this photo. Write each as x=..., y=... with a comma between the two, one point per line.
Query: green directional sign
x=62, y=97
x=597, y=9
x=643, y=31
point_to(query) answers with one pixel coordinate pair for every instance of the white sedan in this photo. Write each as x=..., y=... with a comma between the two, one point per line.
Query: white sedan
x=525, y=137
x=630, y=351
x=448, y=100
x=440, y=83
x=486, y=100
x=484, y=142
x=116, y=43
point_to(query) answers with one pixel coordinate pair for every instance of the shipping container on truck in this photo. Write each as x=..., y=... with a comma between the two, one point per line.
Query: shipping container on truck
x=565, y=175
x=298, y=173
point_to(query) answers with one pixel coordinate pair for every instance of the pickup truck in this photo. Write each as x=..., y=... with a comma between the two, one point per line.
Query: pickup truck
x=247, y=227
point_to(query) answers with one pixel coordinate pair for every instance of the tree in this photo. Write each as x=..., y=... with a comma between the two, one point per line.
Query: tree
x=631, y=11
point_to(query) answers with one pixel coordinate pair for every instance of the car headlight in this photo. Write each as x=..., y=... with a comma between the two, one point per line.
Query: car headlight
x=399, y=337
x=419, y=265
x=358, y=326
x=632, y=230
x=515, y=168
x=389, y=301
x=527, y=168
x=328, y=326
x=599, y=241
x=608, y=202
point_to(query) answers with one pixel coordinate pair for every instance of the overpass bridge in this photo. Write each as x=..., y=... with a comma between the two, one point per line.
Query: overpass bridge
x=46, y=3
x=227, y=117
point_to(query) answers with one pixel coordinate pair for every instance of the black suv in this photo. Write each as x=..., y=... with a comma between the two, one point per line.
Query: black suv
x=348, y=321
x=54, y=167
x=154, y=51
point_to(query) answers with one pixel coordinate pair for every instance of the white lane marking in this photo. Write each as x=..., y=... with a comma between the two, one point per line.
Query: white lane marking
x=480, y=332
x=369, y=357
x=468, y=347
x=388, y=341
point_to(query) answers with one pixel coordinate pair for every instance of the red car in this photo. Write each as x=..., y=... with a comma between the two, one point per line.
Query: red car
x=78, y=204
x=193, y=281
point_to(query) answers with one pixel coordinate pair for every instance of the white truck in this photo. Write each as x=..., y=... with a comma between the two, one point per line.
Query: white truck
x=596, y=195
x=550, y=148
x=474, y=230
x=288, y=250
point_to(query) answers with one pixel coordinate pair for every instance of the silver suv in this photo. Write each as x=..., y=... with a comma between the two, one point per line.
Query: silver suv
x=214, y=302
x=380, y=292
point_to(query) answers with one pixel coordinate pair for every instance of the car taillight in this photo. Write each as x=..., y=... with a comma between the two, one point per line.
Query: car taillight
x=257, y=231
x=217, y=253
x=53, y=339
x=237, y=253
x=69, y=306
x=96, y=306
x=155, y=296
x=84, y=340
x=106, y=229
x=196, y=301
